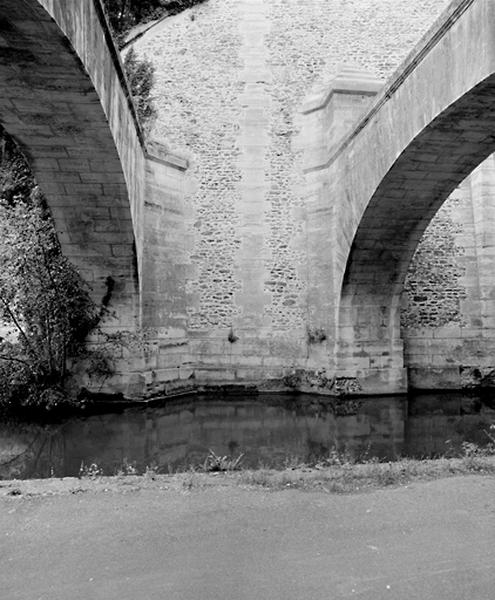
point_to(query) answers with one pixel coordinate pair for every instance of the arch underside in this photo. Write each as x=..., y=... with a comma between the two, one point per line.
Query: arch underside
x=408, y=197
x=411, y=193
x=49, y=105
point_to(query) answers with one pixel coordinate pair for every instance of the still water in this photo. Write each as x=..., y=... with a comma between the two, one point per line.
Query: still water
x=271, y=430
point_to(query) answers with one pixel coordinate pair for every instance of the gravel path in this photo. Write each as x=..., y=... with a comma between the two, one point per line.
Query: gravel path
x=125, y=540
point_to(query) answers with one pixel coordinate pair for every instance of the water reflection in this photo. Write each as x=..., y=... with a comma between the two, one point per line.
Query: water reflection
x=269, y=430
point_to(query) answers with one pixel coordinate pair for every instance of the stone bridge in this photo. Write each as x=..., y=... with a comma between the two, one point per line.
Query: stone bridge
x=374, y=182
x=116, y=200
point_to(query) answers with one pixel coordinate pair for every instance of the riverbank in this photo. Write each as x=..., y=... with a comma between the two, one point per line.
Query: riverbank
x=273, y=431
x=341, y=477
x=198, y=536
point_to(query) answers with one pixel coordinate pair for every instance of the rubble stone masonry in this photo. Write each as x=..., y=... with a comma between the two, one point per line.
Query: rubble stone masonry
x=231, y=79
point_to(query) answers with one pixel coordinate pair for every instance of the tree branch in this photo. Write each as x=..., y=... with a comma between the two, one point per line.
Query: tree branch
x=12, y=359
x=16, y=323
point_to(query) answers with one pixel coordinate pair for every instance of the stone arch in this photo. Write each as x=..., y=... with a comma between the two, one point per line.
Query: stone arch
x=374, y=192
x=448, y=133
x=408, y=197
x=65, y=101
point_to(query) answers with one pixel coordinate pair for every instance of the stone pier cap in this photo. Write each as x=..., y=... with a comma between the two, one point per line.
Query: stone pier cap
x=351, y=79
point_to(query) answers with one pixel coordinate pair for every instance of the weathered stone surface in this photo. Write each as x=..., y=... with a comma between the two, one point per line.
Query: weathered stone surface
x=228, y=275
x=58, y=111
x=70, y=110
x=233, y=97
x=425, y=132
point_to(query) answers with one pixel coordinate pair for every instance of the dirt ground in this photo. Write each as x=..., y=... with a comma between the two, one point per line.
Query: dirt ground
x=173, y=538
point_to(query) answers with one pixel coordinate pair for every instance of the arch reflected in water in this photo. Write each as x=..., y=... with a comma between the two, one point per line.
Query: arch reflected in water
x=270, y=430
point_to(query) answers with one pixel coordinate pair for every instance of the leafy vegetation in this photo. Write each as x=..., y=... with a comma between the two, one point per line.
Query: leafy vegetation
x=339, y=476
x=125, y=14
x=46, y=311
x=214, y=463
x=140, y=75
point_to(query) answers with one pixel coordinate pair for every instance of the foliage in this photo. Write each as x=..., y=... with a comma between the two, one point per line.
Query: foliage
x=16, y=180
x=45, y=306
x=126, y=469
x=92, y=471
x=215, y=463
x=491, y=436
x=232, y=337
x=140, y=75
x=125, y=14
x=315, y=335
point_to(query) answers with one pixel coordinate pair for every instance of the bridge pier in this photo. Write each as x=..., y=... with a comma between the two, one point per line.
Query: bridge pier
x=369, y=346
x=362, y=325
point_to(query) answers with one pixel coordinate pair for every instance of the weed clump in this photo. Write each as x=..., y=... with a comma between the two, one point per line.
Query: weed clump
x=214, y=463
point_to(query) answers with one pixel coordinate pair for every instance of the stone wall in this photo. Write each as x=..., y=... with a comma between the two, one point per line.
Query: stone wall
x=197, y=92
x=433, y=290
x=231, y=79
x=449, y=306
